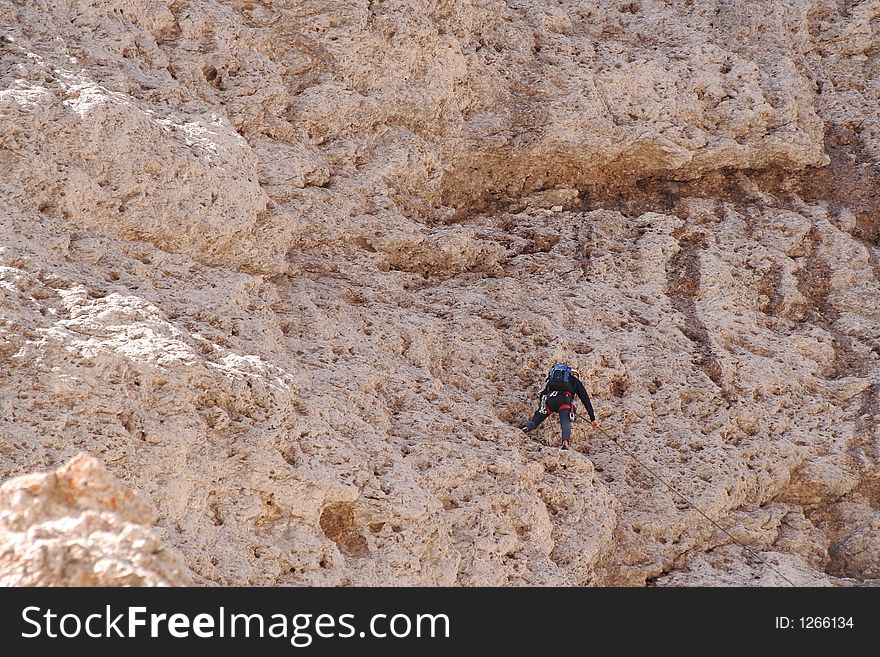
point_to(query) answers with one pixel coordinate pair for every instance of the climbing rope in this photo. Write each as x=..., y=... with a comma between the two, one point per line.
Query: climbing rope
x=695, y=507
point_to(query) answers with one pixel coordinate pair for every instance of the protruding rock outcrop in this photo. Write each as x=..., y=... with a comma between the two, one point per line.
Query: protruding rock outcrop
x=80, y=526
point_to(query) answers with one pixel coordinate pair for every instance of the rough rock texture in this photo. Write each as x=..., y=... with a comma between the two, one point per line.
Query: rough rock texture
x=79, y=526
x=296, y=270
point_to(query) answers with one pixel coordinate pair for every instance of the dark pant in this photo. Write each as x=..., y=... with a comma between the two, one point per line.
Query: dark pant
x=564, y=422
x=559, y=403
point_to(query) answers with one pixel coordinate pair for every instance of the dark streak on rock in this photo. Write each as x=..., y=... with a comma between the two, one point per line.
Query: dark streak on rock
x=683, y=287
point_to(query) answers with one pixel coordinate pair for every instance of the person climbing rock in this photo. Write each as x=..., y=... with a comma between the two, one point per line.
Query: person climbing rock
x=558, y=397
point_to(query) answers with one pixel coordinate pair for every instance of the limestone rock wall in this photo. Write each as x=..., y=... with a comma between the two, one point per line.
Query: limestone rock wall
x=296, y=270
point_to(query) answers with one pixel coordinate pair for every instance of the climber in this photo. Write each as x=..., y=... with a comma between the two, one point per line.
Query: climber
x=558, y=397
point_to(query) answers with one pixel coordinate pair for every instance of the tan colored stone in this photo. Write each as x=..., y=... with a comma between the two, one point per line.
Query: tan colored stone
x=296, y=272
x=79, y=526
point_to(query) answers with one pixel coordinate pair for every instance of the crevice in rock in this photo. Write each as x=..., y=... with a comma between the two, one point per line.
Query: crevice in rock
x=768, y=287
x=214, y=508
x=864, y=445
x=851, y=180
x=814, y=282
x=683, y=287
x=868, y=415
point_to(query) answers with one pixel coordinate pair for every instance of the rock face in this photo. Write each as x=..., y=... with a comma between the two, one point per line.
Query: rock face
x=296, y=271
x=79, y=526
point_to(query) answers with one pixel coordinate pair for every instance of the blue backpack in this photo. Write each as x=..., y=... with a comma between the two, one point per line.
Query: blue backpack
x=560, y=378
